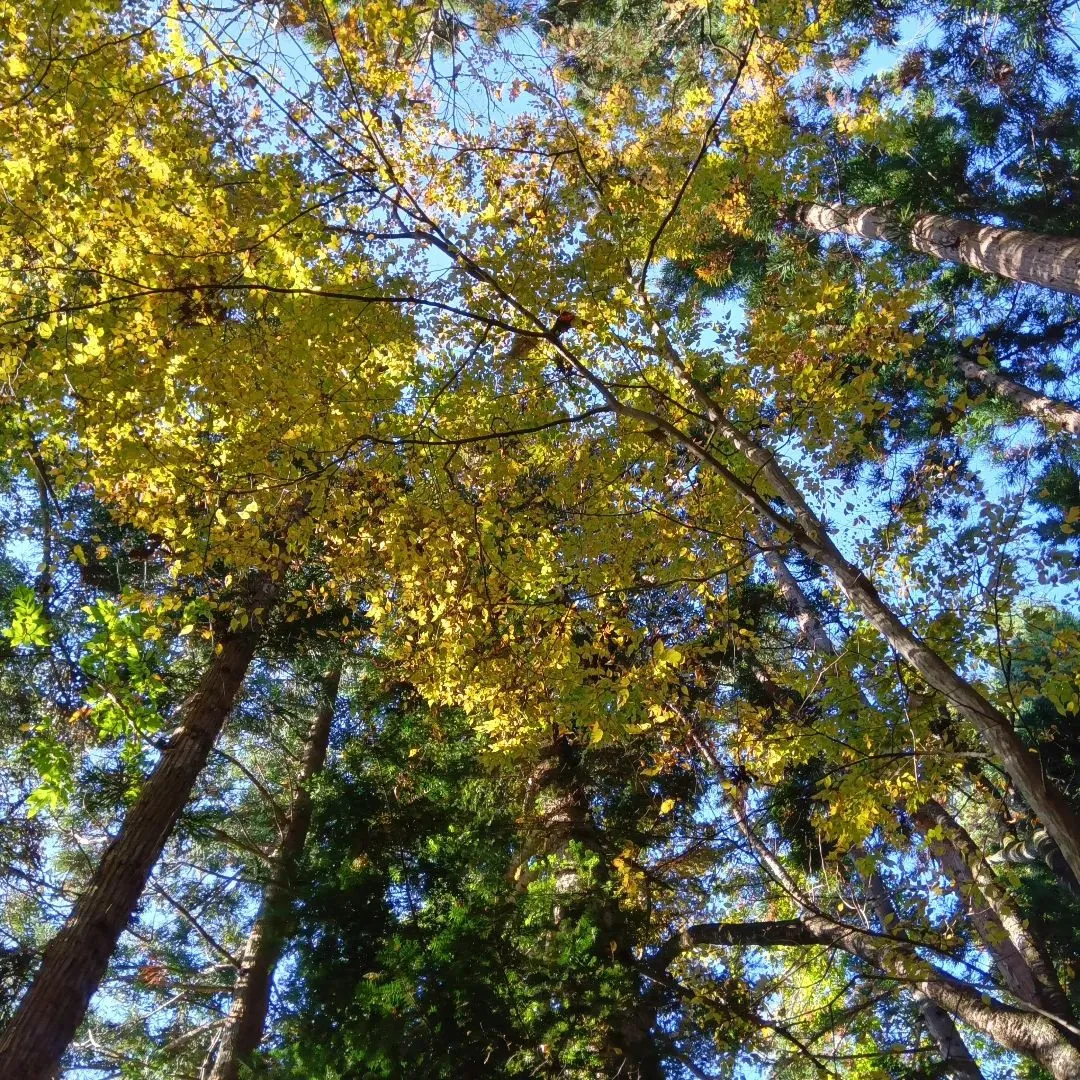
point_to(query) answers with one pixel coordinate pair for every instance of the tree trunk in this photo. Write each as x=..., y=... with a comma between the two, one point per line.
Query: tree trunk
x=955, y=1055
x=810, y=535
x=244, y=1025
x=75, y=960
x=558, y=798
x=1026, y=1033
x=1025, y=966
x=1046, y=410
x=1023, y=767
x=1037, y=258
x=1037, y=850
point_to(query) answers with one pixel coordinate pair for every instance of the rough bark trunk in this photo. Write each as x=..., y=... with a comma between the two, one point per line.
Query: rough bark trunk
x=1046, y=410
x=1037, y=850
x=560, y=802
x=244, y=1025
x=1037, y=258
x=1023, y=961
x=74, y=962
x=955, y=1055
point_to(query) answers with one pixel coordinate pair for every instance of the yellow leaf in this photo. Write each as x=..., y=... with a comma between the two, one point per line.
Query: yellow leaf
x=667, y=806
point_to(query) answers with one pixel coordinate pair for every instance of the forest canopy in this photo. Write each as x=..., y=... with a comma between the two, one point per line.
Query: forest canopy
x=539, y=539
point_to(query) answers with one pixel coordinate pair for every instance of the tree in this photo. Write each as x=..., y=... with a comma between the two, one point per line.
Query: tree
x=311, y=329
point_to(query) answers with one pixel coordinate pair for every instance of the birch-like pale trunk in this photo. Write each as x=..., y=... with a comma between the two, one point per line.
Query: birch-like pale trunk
x=1047, y=410
x=243, y=1030
x=1022, y=959
x=1016, y=254
x=75, y=961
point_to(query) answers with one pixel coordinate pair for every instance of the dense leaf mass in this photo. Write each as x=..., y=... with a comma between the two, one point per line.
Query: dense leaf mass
x=538, y=540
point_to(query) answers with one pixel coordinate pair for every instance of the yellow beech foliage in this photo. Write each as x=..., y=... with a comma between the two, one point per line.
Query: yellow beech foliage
x=281, y=283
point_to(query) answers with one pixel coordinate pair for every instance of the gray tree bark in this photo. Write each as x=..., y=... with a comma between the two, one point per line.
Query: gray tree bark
x=1046, y=410
x=1026, y=1033
x=1036, y=258
x=1022, y=959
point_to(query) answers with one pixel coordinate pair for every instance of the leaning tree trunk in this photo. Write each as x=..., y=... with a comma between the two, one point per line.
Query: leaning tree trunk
x=74, y=962
x=811, y=536
x=244, y=1025
x=1037, y=258
x=1046, y=410
x=1024, y=963
x=1026, y=1033
x=1022, y=959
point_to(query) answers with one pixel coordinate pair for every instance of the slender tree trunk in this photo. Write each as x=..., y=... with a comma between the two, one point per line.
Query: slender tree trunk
x=1025, y=965
x=810, y=535
x=75, y=960
x=1027, y=1033
x=1024, y=768
x=955, y=1055
x=251, y=1000
x=1046, y=410
x=1037, y=258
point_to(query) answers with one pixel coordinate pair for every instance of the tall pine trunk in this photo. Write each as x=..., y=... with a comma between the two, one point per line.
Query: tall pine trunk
x=251, y=1000
x=1037, y=258
x=75, y=961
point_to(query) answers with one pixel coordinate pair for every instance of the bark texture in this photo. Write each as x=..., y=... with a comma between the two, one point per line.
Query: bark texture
x=1046, y=410
x=1038, y=849
x=74, y=962
x=1036, y=258
x=1022, y=959
x=244, y=1025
